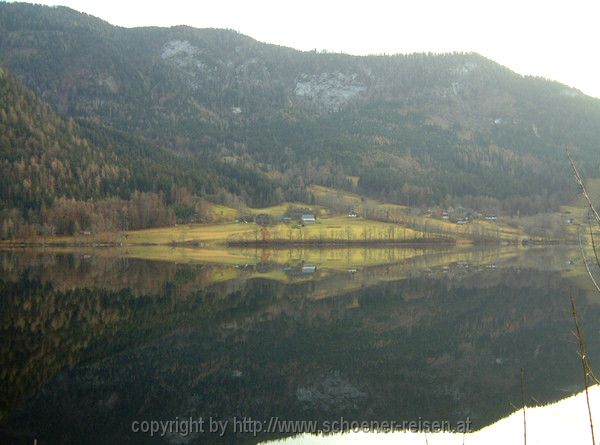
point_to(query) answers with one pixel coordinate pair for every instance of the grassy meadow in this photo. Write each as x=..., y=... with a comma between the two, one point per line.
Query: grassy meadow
x=376, y=222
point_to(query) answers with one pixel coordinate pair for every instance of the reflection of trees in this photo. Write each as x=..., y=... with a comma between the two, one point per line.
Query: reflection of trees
x=69, y=271
x=431, y=346
x=47, y=331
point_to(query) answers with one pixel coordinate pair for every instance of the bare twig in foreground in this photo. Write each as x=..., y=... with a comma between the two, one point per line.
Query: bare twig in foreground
x=523, y=404
x=587, y=266
x=588, y=373
x=582, y=188
x=585, y=365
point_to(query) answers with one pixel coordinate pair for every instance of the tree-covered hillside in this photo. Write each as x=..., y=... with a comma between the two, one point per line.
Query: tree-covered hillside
x=57, y=177
x=260, y=121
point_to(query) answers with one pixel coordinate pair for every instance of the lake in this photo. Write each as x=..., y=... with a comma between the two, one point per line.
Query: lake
x=106, y=346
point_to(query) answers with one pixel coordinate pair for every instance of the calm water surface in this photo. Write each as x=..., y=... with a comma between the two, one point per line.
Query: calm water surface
x=93, y=343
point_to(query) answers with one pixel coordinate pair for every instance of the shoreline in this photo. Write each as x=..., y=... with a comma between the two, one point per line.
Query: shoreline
x=282, y=244
x=279, y=244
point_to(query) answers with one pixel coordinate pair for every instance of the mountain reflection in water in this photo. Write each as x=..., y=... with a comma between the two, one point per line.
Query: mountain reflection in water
x=92, y=343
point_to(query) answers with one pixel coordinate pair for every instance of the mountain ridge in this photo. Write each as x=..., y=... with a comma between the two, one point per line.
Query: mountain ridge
x=420, y=129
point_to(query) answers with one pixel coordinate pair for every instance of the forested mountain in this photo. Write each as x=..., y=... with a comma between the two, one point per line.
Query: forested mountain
x=222, y=116
x=59, y=177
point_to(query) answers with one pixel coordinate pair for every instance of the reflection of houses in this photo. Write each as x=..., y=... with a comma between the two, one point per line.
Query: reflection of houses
x=308, y=218
x=302, y=270
x=308, y=269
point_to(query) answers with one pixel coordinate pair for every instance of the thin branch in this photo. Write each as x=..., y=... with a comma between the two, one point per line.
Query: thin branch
x=594, y=244
x=584, y=192
x=587, y=267
x=523, y=404
x=585, y=365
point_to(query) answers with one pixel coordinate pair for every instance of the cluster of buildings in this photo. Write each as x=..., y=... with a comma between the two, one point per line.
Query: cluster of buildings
x=458, y=215
x=299, y=215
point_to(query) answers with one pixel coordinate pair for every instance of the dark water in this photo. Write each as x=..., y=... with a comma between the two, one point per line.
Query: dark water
x=92, y=343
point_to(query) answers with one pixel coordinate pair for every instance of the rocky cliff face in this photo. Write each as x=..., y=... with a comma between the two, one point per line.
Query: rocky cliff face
x=329, y=91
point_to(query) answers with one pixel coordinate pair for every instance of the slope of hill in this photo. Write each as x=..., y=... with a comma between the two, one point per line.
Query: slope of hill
x=59, y=177
x=263, y=121
x=44, y=156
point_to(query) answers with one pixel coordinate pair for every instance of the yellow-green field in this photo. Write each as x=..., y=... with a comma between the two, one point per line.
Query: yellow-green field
x=472, y=230
x=331, y=227
x=338, y=229
x=220, y=213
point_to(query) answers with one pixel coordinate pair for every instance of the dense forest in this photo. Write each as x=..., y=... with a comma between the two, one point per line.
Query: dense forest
x=109, y=128
x=57, y=177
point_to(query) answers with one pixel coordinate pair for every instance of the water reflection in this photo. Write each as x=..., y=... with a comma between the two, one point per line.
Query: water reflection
x=92, y=343
x=566, y=421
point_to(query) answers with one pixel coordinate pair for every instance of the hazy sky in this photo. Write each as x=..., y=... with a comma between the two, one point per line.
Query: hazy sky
x=554, y=39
